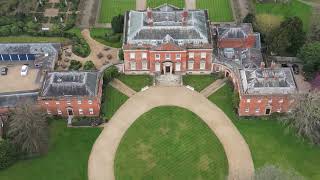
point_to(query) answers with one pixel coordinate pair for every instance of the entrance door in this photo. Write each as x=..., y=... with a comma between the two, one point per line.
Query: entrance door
x=157, y=68
x=167, y=69
x=268, y=110
x=70, y=112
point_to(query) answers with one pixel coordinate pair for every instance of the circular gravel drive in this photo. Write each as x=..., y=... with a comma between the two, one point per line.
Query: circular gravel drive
x=101, y=160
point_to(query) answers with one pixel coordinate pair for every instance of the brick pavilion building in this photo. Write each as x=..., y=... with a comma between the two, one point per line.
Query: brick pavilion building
x=262, y=90
x=71, y=93
x=167, y=40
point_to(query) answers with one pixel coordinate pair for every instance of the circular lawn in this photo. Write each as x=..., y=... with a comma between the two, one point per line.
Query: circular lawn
x=170, y=143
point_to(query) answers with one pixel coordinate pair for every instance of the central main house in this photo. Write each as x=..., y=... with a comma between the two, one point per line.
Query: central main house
x=167, y=40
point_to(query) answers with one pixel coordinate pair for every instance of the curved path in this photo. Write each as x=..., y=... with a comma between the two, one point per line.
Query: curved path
x=101, y=161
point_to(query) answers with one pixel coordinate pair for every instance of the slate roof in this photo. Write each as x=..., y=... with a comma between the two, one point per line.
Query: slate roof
x=80, y=83
x=268, y=81
x=11, y=100
x=46, y=53
x=166, y=20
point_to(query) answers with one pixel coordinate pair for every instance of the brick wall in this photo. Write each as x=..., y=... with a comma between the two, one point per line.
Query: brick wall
x=151, y=60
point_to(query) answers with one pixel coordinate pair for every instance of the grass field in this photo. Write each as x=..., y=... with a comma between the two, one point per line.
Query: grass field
x=67, y=157
x=32, y=39
x=269, y=141
x=112, y=100
x=136, y=82
x=111, y=8
x=156, y=3
x=199, y=82
x=170, y=143
x=294, y=8
x=219, y=10
x=99, y=35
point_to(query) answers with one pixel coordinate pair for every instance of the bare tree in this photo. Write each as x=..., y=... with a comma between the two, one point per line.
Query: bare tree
x=28, y=129
x=271, y=172
x=305, y=117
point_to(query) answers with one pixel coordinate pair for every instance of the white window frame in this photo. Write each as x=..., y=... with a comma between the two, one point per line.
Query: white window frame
x=133, y=65
x=190, y=65
x=144, y=55
x=144, y=65
x=157, y=56
x=202, y=65
x=79, y=102
x=257, y=110
x=248, y=100
x=69, y=102
x=270, y=100
x=167, y=56
x=59, y=111
x=178, y=56
x=279, y=109
x=247, y=109
x=178, y=66
x=81, y=111
x=203, y=55
x=281, y=100
x=191, y=54
x=89, y=101
x=57, y=102
x=132, y=55
x=91, y=111
x=48, y=111
x=46, y=103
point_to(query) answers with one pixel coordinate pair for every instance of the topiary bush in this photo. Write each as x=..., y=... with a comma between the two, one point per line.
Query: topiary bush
x=75, y=65
x=88, y=65
x=7, y=154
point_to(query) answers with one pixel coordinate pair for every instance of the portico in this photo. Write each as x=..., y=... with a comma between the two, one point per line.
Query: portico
x=167, y=67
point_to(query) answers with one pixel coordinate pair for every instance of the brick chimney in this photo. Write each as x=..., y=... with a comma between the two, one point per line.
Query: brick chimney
x=184, y=17
x=149, y=16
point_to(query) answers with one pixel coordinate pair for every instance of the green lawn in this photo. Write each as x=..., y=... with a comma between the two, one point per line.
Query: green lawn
x=170, y=143
x=198, y=82
x=112, y=100
x=111, y=8
x=219, y=10
x=136, y=82
x=32, y=39
x=269, y=141
x=67, y=157
x=294, y=8
x=99, y=35
x=156, y=3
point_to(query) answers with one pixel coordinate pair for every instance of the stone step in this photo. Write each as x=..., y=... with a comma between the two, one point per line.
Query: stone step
x=168, y=80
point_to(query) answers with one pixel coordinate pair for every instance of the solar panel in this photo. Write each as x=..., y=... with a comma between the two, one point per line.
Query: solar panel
x=23, y=57
x=14, y=57
x=31, y=57
x=6, y=57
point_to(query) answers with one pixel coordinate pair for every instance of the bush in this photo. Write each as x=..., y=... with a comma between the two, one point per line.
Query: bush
x=7, y=154
x=88, y=65
x=75, y=65
x=117, y=23
x=110, y=73
x=121, y=55
x=86, y=121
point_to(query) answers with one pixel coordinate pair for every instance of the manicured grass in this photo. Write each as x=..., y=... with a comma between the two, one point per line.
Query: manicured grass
x=198, y=82
x=32, y=39
x=67, y=157
x=219, y=10
x=99, y=35
x=111, y=8
x=270, y=142
x=170, y=143
x=136, y=82
x=156, y=3
x=112, y=100
x=294, y=8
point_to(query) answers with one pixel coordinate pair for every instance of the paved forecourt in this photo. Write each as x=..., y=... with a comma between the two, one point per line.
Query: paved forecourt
x=101, y=161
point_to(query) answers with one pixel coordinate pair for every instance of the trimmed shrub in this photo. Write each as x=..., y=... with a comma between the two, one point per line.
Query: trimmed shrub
x=88, y=65
x=75, y=65
x=7, y=154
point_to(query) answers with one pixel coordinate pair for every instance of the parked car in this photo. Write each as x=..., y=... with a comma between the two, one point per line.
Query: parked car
x=295, y=68
x=4, y=71
x=24, y=70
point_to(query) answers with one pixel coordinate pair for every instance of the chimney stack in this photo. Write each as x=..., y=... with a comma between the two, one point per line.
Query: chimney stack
x=149, y=16
x=184, y=17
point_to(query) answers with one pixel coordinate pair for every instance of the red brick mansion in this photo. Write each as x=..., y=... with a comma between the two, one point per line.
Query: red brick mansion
x=167, y=40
